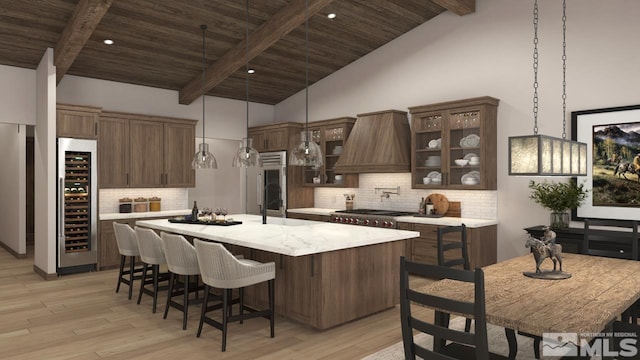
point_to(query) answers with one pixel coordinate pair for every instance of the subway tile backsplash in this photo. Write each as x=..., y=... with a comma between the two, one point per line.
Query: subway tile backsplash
x=477, y=204
x=171, y=198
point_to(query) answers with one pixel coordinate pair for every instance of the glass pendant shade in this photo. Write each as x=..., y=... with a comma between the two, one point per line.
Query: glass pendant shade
x=306, y=153
x=246, y=156
x=541, y=155
x=203, y=159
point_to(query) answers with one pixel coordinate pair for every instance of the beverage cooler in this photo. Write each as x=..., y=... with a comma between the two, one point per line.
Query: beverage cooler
x=77, y=206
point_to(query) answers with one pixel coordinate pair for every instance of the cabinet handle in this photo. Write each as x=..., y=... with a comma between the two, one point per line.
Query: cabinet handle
x=166, y=178
x=313, y=263
x=95, y=129
x=127, y=178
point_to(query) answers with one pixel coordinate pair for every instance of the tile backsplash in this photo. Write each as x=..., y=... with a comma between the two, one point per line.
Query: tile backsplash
x=171, y=198
x=477, y=204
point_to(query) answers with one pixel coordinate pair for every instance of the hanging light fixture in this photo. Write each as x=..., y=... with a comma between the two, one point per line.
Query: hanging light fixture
x=543, y=155
x=247, y=156
x=203, y=159
x=306, y=153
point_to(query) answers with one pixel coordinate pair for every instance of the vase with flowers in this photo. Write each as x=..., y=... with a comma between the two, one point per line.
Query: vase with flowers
x=559, y=198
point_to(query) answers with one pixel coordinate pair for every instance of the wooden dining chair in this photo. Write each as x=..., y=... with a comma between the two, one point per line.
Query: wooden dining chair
x=461, y=345
x=452, y=251
x=615, y=244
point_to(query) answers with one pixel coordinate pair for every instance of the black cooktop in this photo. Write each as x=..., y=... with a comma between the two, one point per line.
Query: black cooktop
x=376, y=212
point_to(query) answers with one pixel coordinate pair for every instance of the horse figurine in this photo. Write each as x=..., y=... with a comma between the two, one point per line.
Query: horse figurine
x=542, y=250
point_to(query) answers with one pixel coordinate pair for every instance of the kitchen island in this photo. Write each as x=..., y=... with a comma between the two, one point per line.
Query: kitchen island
x=326, y=274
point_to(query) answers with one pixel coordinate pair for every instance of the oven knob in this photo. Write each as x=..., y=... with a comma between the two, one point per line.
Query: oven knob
x=345, y=220
x=385, y=224
x=376, y=222
x=353, y=221
x=338, y=219
x=366, y=222
x=357, y=221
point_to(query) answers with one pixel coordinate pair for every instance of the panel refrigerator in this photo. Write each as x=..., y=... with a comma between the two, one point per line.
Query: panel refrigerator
x=77, y=206
x=272, y=179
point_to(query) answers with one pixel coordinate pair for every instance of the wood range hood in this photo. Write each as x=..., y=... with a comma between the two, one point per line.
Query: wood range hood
x=380, y=142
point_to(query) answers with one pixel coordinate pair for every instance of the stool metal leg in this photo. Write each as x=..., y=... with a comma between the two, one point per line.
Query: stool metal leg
x=156, y=271
x=272, y=306
x=172, y=278
x=186, y=302
x=122, y=260
x=225, y=303
x=144, y=278
x=132, y=263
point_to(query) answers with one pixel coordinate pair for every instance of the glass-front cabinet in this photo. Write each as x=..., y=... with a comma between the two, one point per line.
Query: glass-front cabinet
x=454, y=144
x=330, y=135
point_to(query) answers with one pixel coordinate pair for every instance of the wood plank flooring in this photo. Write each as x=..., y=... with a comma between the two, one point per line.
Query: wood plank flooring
x=81, y=317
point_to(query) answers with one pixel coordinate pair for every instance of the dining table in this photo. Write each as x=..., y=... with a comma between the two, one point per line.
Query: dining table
x=599, y=290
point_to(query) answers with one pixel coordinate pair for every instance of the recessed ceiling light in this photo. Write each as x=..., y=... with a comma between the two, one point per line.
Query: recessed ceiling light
x=108, y=41
x=331, y=15
x=251, y=71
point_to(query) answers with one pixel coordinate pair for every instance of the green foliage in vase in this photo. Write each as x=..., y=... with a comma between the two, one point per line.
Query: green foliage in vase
x=558, y=196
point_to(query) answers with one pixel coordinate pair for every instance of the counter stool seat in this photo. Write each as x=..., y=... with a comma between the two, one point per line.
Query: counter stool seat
x=181, y=261
x=152, y=255
x=221, y=270
x=128, y=248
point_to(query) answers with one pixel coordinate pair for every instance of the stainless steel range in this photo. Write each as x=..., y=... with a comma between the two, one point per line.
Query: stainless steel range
x=369, y=217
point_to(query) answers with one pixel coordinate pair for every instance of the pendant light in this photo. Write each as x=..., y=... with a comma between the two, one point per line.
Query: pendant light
x=306, y=153
x=543, y=155
x=247, y=156
x=203, y=159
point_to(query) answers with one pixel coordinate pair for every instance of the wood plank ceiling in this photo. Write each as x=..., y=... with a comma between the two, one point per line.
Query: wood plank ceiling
x=158, y=43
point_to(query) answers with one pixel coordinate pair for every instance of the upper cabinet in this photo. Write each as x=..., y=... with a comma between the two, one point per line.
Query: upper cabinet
x=330, y=135
x=80, y=122
x=273, y=137
x=145, y=151
x=453, y=144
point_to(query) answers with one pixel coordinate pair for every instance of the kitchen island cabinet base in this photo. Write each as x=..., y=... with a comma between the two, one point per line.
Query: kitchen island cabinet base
x=332, y=288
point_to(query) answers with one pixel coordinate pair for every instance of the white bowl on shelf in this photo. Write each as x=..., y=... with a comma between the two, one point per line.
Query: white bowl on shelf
x=461, y=162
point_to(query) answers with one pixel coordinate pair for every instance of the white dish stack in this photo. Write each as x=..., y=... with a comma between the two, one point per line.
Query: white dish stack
x=433, y=160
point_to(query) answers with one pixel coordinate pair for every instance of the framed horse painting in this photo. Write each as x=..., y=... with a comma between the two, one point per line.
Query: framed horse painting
x=613, y=157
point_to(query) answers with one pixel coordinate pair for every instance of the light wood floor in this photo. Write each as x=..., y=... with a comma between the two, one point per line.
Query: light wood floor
x=81, y=317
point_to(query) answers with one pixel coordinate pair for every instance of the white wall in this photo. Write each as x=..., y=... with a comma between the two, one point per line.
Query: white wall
x=45, y=166
x=17, y=95
x=490, y=53
x=13, y=186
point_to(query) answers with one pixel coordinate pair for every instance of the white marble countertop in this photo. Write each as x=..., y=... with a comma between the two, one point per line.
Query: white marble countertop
x=290, y=237
x=133, y=215
x=446, y=221
x=312, y=211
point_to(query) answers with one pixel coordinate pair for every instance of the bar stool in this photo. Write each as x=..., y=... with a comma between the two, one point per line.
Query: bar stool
x=181, y=261
x=128, y=248
x=220, y=269
x=152, y=254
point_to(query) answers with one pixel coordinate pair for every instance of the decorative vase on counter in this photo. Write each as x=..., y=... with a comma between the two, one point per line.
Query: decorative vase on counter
x=560, y=219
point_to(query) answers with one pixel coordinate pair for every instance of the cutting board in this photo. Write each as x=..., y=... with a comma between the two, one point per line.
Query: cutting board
x=440, y=203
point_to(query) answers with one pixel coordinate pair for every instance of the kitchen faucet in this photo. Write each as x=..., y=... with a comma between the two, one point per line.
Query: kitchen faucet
x=266, y=201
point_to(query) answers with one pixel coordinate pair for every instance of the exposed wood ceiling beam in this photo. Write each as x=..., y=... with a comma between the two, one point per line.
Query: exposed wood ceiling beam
x=459, y=7
x=279, y=25
x=84, y=20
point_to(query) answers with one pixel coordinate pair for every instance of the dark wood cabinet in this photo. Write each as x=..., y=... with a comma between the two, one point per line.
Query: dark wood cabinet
x=312, y=217
x=275, y=137
x=481, y=244
x=457, y=130
x=141, y=151
x=330, y=135
x=74, y=121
